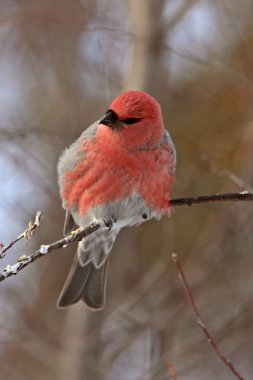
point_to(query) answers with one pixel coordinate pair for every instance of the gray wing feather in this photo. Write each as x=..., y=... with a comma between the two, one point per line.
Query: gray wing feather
x=69, y=224
x=91, y=131
x=94, y=292
x=169, y=141
x=96, y=247
x=71, y=156
x=84, y=283
x=87, y=277
x=74, y=285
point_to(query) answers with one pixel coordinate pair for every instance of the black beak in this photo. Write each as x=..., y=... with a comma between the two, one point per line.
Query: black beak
x=110, y=119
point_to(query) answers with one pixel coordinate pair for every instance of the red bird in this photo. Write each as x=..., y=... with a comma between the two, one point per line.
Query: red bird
x=118, y=173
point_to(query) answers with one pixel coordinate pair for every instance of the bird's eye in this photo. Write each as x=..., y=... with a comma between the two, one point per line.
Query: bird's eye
x=131, y=120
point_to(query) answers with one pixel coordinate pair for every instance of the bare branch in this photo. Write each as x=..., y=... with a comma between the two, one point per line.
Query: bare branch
x=24, y=260
x=243, y=196
x=29, y=231
x=210, y=340
x=78, y=235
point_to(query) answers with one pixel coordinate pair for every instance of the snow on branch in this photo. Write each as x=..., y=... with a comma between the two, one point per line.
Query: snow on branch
x=24, y=260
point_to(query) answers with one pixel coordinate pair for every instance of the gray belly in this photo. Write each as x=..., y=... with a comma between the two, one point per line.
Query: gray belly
x=125, y=212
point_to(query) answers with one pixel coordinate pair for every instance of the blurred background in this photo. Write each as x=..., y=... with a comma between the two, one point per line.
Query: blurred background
x=61, y=64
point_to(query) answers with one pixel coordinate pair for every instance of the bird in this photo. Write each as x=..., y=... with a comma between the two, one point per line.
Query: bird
x=118, y=173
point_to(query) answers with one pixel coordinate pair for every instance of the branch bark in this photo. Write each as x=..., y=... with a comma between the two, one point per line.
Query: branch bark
x=243, y=196
x=24, y=260
x=29, y=231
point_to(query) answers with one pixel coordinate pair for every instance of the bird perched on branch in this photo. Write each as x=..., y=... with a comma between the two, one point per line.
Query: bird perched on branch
x=118, y=173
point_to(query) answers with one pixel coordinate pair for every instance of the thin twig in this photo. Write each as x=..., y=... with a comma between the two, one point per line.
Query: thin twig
x=210, y=340
x=24, y=260
x=235, y=179
x=172, y=371
x=226, y=173
x=29, y=231
x=243, y=196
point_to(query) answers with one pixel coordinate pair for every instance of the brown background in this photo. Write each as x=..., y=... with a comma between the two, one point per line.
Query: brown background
x=61, y=63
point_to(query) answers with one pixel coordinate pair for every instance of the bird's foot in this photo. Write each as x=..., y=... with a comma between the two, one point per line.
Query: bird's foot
x=108, y=222
x=75, y=232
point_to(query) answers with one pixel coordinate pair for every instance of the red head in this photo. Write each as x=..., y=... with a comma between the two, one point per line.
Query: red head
x=136, y=118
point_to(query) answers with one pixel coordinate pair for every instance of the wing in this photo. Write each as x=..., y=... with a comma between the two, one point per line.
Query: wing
x=169, y=142
x=69, y=224
x=72, y=155
x=69, y=158
x=96, y=247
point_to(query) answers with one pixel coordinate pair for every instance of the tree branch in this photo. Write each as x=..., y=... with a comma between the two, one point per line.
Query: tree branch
x=78, y=235
x=24, y=260
x=29, y=231
x=201, y=324
x=243, y=196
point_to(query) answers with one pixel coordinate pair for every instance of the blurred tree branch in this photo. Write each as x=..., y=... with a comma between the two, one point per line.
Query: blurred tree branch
x=210, y=340
x=180, y=13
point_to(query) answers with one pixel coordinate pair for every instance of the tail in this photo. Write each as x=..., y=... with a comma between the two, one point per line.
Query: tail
x=87, y=277
x=84, y=283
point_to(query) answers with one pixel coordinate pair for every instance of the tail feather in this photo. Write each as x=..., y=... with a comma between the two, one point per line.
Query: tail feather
x=87, y=277
x=84, y=283
x=74, y=285
x=94, y=291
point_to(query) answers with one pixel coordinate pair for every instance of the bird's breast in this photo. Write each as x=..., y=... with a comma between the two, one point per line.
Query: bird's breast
x=109, y=173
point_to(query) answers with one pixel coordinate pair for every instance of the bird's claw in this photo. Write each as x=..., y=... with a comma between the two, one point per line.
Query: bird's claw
x=75, y=232
x=109, y=222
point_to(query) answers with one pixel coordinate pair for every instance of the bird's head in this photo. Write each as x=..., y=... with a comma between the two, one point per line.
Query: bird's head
x=136, y=118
